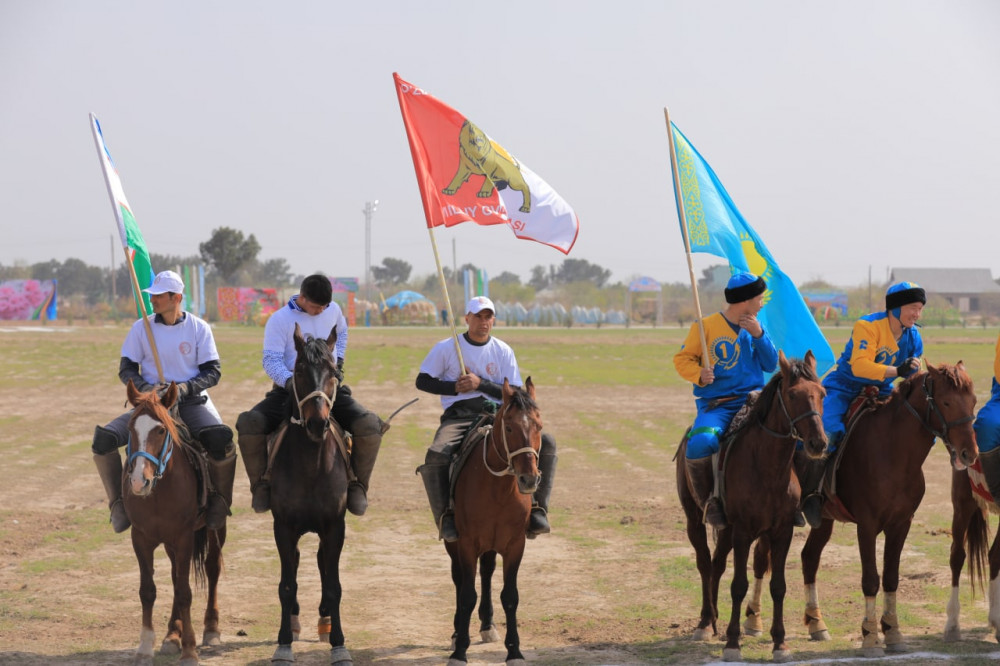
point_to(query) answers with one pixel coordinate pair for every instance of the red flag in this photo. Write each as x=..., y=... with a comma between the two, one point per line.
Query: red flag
x=465, y=176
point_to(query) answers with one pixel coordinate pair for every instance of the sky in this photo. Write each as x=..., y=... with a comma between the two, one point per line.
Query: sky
x=854, y=136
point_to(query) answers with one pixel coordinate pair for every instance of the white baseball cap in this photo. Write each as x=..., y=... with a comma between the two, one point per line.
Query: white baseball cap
x=164, y=282
x=479, y=303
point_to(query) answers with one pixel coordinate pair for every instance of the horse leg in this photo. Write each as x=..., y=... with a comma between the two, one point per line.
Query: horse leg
x=723, y=545
x=213, y=569
x=871, y=646
x=895, y=538
x=738, y=590
x=294, y=616
x=464, y=573
x=180, y=614
x=147, y=595
x=286, y=539
x=779, y=553
x=703, y=557
x=487, y=565
x=994, y=593
x=509, y=599
x=325, y=623
x=811, y=553
x=963, y=509
x=332, y=545
x=752, y=625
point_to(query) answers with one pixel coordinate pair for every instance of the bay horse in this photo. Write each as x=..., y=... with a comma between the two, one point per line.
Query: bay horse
x=970, y=529
x=761, y=496
x=492, y=507
x=160, y=493
x=879, y=485
x=308, y=470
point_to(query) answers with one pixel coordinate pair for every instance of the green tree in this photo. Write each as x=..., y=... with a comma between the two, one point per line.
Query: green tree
x=540, y=277
x=581, y=270
x=507, y=278
x=274, y=272
x=391, y=272
x=228, y=251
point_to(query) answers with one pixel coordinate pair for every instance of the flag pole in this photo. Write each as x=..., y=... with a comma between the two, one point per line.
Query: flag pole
x=678, y=195
x=447, y=301
x=136, y=293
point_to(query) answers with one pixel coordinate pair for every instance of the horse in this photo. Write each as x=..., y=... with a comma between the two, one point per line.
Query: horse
x=970, y=529
x=160, y=493
x=309, y=477
x=761, y=494
x=879, y=485
x=492, y=506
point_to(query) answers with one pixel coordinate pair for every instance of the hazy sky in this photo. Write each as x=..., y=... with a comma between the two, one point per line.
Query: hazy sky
x=850, y=134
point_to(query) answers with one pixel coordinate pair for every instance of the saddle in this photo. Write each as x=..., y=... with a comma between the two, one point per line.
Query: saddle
x=980, y=489
x=865, y=403
x=341, y=438
x=197, y=456
x=477, y=431
x=728, y=437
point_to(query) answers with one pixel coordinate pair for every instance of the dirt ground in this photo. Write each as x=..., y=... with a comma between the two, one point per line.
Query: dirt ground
x=584, y=598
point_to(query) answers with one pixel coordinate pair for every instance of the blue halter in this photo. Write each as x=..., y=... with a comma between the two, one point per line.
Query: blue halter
x=161, y=462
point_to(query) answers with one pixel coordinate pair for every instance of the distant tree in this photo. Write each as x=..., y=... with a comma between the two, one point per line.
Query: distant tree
x=391, y=272
x=539, y=278
x=46, y=270
x=507, y=278
x=15, y=272
x=272, y=272
x=76, y=277
x=228, y=251
x=581, y=270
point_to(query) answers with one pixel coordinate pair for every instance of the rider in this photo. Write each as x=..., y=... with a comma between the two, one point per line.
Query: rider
x=314, y=310
x=465, y=396
x=883, y=346
x=740, y=352
x=188, y=356
x=987, y=429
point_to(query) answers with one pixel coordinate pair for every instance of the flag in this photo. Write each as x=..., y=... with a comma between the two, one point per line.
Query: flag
x=715, y=226
x=465, y=176
x=131, y=238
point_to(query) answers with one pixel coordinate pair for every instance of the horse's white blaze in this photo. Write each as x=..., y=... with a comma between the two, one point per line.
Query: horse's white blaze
x=144, y=424
x=995, y=604
x=953, y=609
x=146, y=637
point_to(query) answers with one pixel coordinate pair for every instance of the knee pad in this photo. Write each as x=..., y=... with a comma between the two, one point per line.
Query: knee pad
x=367, y=424
x=105, y=441
x=217, y=440
x=437, y=458
x=703, y=442
x=251, y=423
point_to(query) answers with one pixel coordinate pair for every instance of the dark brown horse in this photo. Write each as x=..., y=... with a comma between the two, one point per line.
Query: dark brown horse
x=160, y=492
x=309, y=493
x=970, y=529
x=880, y=483
x=492, y=506
x=761, y=495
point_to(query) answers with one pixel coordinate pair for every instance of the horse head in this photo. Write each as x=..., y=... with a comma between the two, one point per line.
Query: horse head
x=315, y=378
x=152, y=434
x=520, y=426
x=801, y=396
x=950, y=408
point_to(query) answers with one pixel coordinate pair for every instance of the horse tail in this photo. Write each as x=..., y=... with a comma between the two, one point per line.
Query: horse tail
x=977, y=542
x=198, y=557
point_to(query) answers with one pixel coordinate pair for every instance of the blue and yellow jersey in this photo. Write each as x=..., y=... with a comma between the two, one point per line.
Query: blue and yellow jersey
x=738, y=359
x=870, y=350
x=995, y=393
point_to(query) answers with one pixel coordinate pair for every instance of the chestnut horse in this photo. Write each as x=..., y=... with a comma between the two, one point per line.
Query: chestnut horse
x=879, y=485
x=970, y=529
x=761, y=495
x=160, y=492
x=308, y=470
x=492, y=506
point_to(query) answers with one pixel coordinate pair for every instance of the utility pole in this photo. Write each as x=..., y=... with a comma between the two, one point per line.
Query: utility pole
x=369, y=212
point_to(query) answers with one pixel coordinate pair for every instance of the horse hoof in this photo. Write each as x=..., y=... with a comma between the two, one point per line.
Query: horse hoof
x=283, y=655
x=702, y=634
x=872, y=652
x=781, y=656
x=896, y=647
x=490, y=635
x=732, y=654
x=751, y=632
x=821, y=635
x=170, y=646
x=211, y=639
x=339, y=656
x=952, y=634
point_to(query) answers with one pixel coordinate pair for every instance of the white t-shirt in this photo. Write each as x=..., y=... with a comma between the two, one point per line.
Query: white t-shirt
x=493, y=361
x=181, y=347
x=280, y=329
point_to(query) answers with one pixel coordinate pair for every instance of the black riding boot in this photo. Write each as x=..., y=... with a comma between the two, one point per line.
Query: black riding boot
x=702, y=474
x=538, y=523
x=252, y=428
x=810, y=473
x=990, y=462
x=109, y=466
x=367, y=434
x=435, y=475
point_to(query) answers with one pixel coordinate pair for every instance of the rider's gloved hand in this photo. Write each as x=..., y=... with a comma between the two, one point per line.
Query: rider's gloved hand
x=908, y=367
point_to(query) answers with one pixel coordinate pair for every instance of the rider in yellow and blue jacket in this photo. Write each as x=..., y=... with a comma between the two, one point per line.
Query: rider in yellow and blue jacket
x=987, y=429
x=739, y=352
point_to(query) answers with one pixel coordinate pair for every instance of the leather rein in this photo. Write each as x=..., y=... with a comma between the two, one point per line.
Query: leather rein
x=793, y=432
x=508, y=455
x=932, y=408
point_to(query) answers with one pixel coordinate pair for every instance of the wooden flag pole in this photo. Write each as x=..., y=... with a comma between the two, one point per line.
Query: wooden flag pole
x=447, y=301
x=141, y=305
x=678, y=194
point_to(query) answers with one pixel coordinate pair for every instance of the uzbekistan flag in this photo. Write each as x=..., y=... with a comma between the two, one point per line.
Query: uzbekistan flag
x=132, y=241
x=716, y=226
x=465, y=176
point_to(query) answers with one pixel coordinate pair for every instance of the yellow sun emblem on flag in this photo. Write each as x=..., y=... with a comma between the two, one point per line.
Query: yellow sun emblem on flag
x=756, y=263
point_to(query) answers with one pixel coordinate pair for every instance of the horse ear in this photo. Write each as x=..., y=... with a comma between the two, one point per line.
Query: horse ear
x=132, y=392
x=810, y=359
x=508, y=392
x=170, y=397
x=783, y=361
x=331, y=339
x=960, y=366
x=529, y=386
x=297, y=337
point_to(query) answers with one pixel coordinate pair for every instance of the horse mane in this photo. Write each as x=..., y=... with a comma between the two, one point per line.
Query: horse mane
x=903, y=390
x=316, y=351
x=150, y=402
x=797, y=369
x=522, y=401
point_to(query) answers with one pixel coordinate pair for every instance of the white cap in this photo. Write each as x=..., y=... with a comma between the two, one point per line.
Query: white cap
x=479, y=303
x=164, y=282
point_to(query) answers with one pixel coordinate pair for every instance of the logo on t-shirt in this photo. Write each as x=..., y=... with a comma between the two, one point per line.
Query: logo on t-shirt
x=185, y=348
x=492, y=370
x=726, y=353
x=885, y=357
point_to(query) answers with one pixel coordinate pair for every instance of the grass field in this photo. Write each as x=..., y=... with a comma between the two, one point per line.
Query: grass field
x=614, y=584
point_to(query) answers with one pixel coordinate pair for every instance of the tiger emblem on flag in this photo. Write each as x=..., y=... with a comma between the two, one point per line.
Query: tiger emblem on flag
x=481, y=156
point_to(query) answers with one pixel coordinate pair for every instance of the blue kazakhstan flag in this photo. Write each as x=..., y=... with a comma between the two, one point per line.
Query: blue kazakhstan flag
x=715, y=226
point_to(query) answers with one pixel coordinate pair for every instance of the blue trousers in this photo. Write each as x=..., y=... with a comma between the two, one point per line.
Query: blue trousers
x=709, y=426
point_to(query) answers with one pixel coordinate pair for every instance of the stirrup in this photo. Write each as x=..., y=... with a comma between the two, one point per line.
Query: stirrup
x=538, y=523
x=261, y=501
x=714, y=515
x=119, y=519
x=357, y=499
x=812, y=509
x=447, y=529
x=216, y=512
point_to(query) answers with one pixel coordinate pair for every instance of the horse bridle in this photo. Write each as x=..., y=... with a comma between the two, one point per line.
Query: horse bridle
x=161, y=463
x=318, y=393
x=933, y=408
x=792, y=430
x=509, y=471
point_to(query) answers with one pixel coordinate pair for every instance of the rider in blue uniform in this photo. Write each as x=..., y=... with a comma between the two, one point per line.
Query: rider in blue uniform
x=883, y=346
x=987, y=429
x=739, y=353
